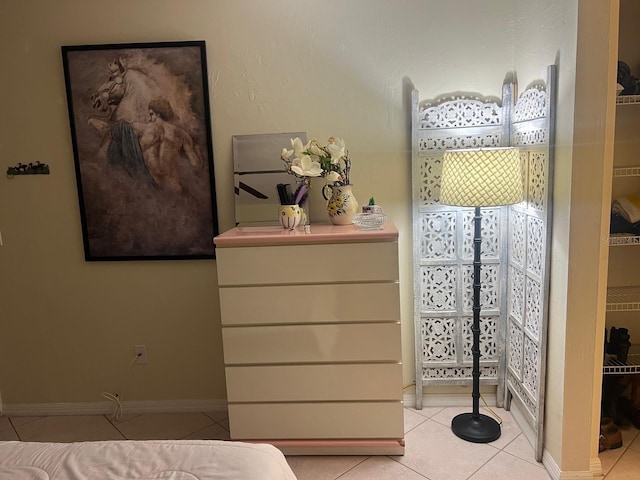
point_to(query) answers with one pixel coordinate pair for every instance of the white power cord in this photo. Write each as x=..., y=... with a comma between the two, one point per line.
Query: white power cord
x=497, y=417
x=117, y=398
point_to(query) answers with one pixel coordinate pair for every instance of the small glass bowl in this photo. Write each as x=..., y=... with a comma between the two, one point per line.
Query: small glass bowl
x=369, y=221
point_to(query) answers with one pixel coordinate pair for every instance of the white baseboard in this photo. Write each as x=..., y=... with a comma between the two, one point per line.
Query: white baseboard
x=447, y=399
x=596, y=467
x=576, y=476
x=556, y=474
x=135, y=407
x=550, y=465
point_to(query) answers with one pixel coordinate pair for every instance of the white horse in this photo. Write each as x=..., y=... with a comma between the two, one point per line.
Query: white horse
x=123, y=114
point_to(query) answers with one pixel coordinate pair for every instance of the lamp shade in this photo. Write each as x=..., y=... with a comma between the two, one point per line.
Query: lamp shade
x=482, y=177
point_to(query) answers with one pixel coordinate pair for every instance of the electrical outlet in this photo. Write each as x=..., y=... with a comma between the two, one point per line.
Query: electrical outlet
x=141, y=353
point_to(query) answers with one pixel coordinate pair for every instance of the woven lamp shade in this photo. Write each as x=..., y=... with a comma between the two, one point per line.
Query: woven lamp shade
x=482, y=177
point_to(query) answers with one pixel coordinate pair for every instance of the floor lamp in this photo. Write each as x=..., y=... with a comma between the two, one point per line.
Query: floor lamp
x=485, y=177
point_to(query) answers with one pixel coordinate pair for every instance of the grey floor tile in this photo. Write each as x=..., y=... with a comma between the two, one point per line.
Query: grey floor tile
x=8, y=435
x=381, y=468
x=163, y=426
x=5, y=424
x=217, y=415
x=507, y=467
x=316, y=467
x=627, y=467
x=68, y=428
x=412, y=420
x=211, y=432
x=433, y=450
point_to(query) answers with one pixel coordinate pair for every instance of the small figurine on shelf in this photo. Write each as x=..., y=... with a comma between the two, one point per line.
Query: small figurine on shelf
x=372, y=207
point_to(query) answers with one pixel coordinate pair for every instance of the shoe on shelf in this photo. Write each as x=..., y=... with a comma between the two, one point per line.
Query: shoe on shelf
x=610, y=437
x=619, y=344
x=606, y=422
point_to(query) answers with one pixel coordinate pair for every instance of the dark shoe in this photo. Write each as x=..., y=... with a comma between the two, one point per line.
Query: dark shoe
x=606, y=422
x=612, y=346
x=624, y=412
x=619, y=343
x=610, y=438
x=634, y=416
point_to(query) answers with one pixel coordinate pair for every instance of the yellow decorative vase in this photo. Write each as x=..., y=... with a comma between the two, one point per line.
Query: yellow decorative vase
x=341, y=205
x=290, y=216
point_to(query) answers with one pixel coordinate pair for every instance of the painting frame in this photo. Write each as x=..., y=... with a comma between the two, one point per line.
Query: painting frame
x=141, y=134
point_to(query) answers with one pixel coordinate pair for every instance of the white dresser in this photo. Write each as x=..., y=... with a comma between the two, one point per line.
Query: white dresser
x=311, y=334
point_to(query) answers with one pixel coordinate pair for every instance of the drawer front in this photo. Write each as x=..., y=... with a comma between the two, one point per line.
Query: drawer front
x=316, y=420
x=282, y=383
x=373, y=302
x=328, y=263
x=312, y=343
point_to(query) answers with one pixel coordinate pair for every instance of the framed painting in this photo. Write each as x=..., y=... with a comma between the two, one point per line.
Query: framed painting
x=141, y=135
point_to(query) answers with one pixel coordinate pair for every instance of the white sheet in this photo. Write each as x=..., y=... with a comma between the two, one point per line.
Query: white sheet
x=143, y=460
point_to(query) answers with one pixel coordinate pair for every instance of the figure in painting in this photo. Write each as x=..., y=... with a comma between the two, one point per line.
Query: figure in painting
x=152, y=148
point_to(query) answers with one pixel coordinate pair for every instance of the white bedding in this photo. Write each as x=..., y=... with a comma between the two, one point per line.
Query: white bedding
x=143, y=460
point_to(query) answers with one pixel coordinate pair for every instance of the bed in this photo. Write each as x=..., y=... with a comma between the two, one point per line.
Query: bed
x=143, y=460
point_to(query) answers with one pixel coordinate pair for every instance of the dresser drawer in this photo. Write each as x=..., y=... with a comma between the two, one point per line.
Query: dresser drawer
x=312, y=343
x=281, y=383
x=316, y=420
x=349, y=262
x=372, y=302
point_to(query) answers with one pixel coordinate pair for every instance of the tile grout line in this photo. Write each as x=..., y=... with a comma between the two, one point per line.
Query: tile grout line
x=14, y=429
x=354, y=466
x=497, y=451
x=408, y=467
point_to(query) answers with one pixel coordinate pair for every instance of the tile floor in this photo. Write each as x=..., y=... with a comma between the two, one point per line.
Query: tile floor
x=432, y=451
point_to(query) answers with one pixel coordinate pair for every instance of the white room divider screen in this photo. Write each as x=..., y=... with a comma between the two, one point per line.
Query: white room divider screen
x=515, y=249
x=532, y=131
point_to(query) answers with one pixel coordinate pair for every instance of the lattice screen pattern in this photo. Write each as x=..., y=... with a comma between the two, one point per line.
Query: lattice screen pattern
x=443, y=248
x=532, y=128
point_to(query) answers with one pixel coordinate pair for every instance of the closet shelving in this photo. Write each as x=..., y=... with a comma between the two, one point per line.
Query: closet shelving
x=612, y=366
x=624, y=299
x=619, y=239
x=628, y=99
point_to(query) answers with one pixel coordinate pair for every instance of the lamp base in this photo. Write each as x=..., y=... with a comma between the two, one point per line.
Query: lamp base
x=475, y=428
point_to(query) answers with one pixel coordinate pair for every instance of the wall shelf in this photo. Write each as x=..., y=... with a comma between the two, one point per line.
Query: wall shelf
x=623, y=299
x=628, y=99
x=621, y=239
x=613, y=366
x=632, y=171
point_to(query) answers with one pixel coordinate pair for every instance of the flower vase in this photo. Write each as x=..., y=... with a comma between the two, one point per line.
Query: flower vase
x=341, y=205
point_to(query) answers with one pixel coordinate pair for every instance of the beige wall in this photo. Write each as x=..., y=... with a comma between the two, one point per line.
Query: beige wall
x=328, y=68
x=588, y=228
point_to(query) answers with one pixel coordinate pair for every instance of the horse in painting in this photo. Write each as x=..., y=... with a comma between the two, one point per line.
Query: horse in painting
x=146, y=140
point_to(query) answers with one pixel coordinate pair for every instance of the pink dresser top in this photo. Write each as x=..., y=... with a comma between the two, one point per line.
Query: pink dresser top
x=320, y=233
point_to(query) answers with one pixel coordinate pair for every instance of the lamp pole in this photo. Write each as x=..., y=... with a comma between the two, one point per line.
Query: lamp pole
x=473, y=426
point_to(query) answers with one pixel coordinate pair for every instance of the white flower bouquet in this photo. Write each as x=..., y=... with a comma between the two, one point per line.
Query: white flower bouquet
x=330, y=161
